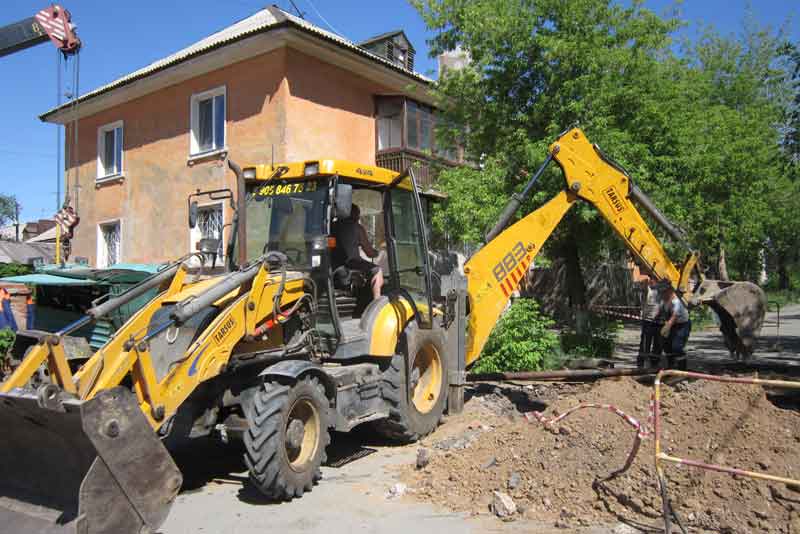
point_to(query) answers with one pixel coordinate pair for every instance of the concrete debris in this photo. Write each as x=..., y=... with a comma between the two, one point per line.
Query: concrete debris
x=491, y=462
x=503, y=505
x=458, y=442
x=514, y=480
x=423, y=458
x=398, y=490
x=622, y=528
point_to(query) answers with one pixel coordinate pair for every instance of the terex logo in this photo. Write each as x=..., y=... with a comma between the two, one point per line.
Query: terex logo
x=614, y=199
x=224, y=330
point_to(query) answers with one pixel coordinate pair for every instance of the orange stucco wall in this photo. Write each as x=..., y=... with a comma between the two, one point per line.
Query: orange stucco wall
x=286, y=100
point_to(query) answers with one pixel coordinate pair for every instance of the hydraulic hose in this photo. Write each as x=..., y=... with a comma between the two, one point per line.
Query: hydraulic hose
x=136, y=291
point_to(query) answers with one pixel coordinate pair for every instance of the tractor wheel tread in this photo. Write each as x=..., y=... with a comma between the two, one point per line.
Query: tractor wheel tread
x=399, y=425
x=264, y=447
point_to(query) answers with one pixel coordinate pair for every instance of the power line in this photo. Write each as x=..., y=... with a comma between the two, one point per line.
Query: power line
x=299, y=13
x=328, y=24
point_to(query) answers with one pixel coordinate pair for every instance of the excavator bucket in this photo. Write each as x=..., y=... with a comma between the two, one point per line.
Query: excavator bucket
x=740, y=306
x=82, y=467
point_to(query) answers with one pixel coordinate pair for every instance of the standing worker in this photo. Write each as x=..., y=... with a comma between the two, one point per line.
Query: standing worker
x=650, y=339
x=677, y=327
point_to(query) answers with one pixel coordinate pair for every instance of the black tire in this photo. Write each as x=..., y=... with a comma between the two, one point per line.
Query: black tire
x=406, y=422
x=279, y=470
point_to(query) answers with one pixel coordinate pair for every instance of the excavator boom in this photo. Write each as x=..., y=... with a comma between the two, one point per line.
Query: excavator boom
x=495, y=271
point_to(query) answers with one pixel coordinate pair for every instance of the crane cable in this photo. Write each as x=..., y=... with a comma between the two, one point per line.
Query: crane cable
x=73, y=152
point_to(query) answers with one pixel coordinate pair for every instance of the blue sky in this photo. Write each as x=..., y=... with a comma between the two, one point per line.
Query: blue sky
x=120, y=37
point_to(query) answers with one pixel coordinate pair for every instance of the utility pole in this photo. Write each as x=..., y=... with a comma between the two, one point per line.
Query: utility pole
x=16, y=217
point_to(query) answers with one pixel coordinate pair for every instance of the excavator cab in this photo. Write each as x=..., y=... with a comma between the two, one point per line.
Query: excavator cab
x=295, y=211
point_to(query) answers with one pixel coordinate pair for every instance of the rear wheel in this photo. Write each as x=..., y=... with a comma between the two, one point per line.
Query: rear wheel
x=415, y=386
x=286, y=438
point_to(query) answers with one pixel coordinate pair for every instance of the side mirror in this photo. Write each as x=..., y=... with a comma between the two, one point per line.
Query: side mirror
x=344, y=200
x=193, y=214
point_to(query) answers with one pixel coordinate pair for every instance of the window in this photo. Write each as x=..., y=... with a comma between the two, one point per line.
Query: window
x=419, y=126
x=390, y=123
x=109, y=150
x=109, y=244
x=209, y=226
x=208, y=121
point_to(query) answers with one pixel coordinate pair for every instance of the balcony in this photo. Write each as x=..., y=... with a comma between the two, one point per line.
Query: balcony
x=425, y=167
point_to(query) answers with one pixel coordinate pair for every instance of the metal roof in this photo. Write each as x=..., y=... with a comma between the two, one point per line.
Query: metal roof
x=13, y=252
x=386, y=36
x=267, y=19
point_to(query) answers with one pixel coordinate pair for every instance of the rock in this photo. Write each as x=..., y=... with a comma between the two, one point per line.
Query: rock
x=763, y=464
x=503, y=505
x=397, y=490
x=491, y=462
x=622, y=528
x=794, y=524
x=423, y=458
x=547, y=503
x=514, y=480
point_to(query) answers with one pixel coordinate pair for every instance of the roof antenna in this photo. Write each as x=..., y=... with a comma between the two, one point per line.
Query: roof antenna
x=272, y=163
x=299, y=13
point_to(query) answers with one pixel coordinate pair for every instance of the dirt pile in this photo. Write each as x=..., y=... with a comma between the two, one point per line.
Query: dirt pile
x=551, y=475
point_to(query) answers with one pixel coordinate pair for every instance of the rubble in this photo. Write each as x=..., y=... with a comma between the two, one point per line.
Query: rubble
x=553, y=476
x=423, y=458
x=503, y=505
x=397, y=490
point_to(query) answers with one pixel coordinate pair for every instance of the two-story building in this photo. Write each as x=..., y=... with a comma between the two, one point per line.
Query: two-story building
x=271, y=87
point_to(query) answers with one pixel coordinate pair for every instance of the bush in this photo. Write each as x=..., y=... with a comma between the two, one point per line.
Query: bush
x=521, y=341
x=598, y=342
x=14, y=269
x=6, y=342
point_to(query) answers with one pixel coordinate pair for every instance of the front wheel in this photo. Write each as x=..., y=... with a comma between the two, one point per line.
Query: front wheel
x=415, y=386
x=286, y=438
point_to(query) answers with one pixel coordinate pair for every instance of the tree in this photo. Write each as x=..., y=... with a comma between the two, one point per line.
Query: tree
x=538, y=67
x=696, y=130
x=8, y=209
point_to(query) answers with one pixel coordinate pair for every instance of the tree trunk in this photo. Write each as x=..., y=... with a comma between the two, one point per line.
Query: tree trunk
x=723, y=266
x=576, y=287
x=784, y=282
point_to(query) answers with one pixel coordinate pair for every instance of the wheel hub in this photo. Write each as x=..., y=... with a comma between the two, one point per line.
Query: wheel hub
x=426, y=378
x=295, y=432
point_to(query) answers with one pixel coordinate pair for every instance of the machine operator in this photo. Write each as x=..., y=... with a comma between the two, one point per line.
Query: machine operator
x=351, y=235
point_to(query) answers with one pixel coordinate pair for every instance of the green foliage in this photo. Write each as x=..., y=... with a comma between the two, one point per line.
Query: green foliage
x=699, y=131
x=521, y=341
x=598, y=342
x=8, y=209
x=14, y=269
x=7, y=337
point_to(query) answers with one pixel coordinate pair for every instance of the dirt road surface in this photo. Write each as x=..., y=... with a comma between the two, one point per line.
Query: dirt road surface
x=353, y=498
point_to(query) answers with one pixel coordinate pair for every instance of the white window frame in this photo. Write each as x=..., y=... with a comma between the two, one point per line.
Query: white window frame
x=101, y=144
x=194, y=121
x=195, y=235
x=102, y=260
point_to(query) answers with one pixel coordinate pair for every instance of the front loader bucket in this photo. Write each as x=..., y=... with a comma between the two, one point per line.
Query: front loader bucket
x=740, y=306
x=82, y=467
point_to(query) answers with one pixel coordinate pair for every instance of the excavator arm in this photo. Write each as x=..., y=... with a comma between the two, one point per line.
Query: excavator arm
x=495, y=271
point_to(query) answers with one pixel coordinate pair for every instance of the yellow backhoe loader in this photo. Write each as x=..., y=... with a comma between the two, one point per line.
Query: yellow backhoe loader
x=285, y=346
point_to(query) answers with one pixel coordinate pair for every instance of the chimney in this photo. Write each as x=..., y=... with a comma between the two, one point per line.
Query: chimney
x=452, y=60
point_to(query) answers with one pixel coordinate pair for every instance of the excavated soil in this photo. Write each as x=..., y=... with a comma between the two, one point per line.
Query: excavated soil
x=552, y=476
